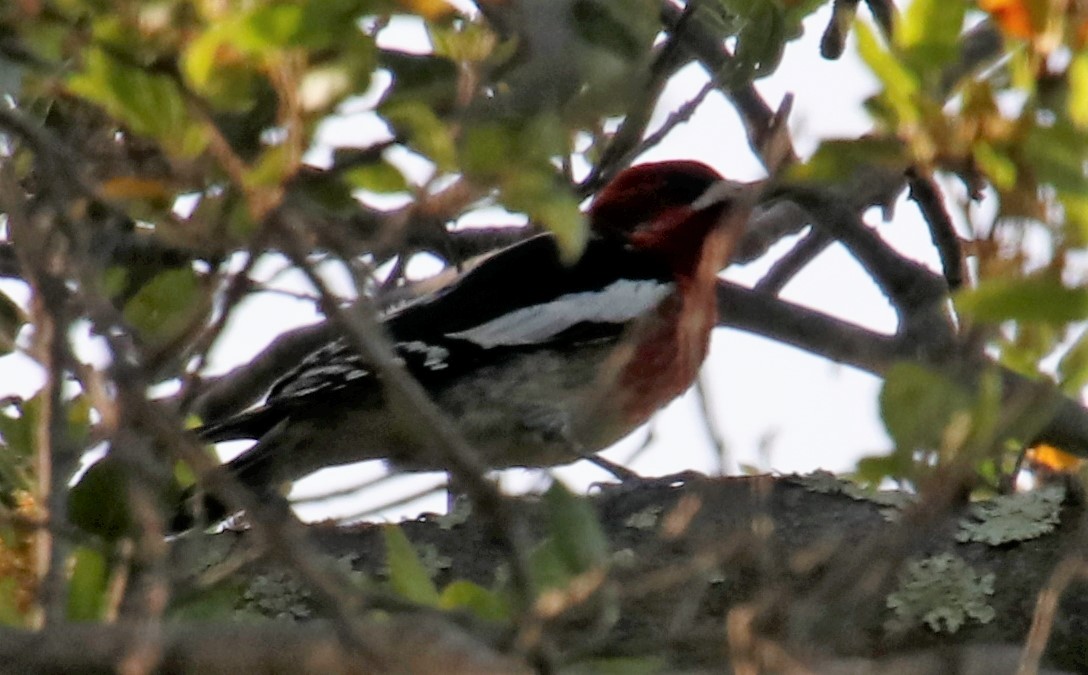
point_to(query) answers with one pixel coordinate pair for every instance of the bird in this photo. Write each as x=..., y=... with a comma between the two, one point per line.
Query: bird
x=536, y=361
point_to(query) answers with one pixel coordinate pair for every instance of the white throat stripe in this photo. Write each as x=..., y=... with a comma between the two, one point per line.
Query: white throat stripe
x=618, y=302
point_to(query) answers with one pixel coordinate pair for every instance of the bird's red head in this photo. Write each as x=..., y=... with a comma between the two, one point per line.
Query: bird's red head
x=671, y=208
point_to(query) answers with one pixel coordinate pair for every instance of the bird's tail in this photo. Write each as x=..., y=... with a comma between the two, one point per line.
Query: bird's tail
x=197, y=506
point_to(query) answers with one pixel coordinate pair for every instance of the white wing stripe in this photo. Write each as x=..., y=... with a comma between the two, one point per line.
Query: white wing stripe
x=618, y=302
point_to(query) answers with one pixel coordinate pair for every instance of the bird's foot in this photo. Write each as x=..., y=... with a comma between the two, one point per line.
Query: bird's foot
x=630, y=481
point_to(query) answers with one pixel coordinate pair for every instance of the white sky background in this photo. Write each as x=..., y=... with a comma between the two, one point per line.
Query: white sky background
x=778, y=408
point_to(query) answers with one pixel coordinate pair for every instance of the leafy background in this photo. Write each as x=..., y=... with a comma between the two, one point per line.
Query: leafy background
x=155, y=151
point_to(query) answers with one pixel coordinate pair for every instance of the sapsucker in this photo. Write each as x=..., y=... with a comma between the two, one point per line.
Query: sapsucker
x=537, y=362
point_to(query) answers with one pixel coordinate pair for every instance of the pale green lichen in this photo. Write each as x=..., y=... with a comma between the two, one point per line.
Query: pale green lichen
x=276, y=595
x=646, y=519
x=828, y=483
x=432, y=559
x=824, y=482
x=943, y=592
x=624, y=558
x=458, y=515
x=1015, y=517
x=279, y=594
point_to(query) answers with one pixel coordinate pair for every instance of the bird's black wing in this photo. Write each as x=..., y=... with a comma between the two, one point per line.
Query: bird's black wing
x=524, y=297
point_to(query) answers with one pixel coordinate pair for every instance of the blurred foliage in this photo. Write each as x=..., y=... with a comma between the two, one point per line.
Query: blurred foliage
x=196, y=124
x=410, y=578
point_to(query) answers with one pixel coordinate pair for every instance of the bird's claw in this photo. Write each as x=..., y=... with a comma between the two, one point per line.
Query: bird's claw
x=630, y=481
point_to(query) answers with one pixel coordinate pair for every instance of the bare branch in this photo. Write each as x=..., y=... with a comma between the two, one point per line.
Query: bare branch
x=758, y=117
x=834, y=39
x=788, y=266
x=807, y=329
x=909, y=286
x=627, y=142
x=926, y=194
x=415, y=644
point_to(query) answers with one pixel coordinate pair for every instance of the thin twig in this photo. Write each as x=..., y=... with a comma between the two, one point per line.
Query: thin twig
x=717, y=439
x=885, y=14
x=1046, y=609
x=625, y=143
x=708, y=48
x=462, y=461
x=399, y=501
x=908, y=285
x=926, y=194
x=790, y=265
x=834, y=38
x=54, y=460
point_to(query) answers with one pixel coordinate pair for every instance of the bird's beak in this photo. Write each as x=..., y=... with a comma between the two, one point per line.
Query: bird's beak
x=729, y=192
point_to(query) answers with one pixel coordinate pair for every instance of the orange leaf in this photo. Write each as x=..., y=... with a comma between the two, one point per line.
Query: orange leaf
x=1052, y=458
x=1014, y=16
x=428, y=9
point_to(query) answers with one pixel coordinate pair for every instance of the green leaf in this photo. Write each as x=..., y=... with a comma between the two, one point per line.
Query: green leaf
x=218, y=602
x=19, y=432
x=901, y=86
x=273, y=26
x=917, y=404
x=836, y=160
x=150, y=104
x=1041, y=298
x=760, y=44
x=484, y=603
x=229, y=84
x=1057, y=154
x=547, y=567
x=998, y=166
x=183, y=474
x=626, y=28
x=549, y=204
x=572, y=521
x=1073, y=367
x=462, y=42
x=424, y=131
x=167, y=305
x=423, y=78
x=379, y=177
x=407, y=573
x=17, y=451
x=98, y=503
x=873, y=469
x=313, y=25
x=87, y=586
x=10, y=615
x=1078, y=90
x=1075, y=207
x=930, y=33
x=496, y=149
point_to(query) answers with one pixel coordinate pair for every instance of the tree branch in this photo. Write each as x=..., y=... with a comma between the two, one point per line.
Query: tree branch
x=413, y=644
x=758, y=117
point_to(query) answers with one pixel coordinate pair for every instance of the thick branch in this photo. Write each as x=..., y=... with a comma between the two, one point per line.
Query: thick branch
x=1064, y=420
x=804, y=328
x=415, y=645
